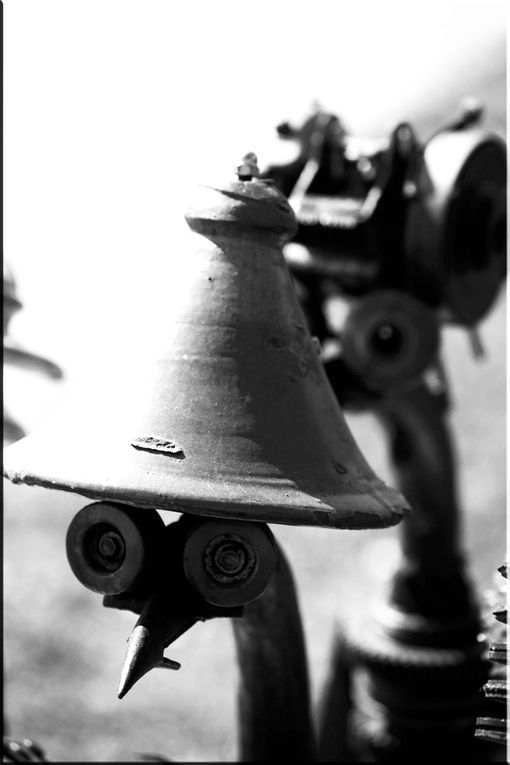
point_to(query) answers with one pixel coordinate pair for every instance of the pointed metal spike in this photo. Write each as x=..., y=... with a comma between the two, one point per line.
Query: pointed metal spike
x=169, y=663
x=161, y=622
x=142, y=655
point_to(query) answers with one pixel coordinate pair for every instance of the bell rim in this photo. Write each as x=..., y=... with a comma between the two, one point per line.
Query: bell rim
x=382, y=507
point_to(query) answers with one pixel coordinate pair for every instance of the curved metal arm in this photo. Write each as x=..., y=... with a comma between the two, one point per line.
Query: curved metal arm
x=274, y=697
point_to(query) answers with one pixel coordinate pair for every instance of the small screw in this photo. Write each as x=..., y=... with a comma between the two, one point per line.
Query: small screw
x=110, y=546
x=248, y=168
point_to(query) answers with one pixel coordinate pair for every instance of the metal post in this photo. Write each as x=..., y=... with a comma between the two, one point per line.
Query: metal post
x=274, y=696
x=419, y=662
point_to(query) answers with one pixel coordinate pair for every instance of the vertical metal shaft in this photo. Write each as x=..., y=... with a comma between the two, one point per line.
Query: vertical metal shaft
x=418, y=662
x=430, y=580
x=274, y=696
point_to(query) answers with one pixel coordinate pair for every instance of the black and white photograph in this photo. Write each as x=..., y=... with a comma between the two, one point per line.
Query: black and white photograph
x=254, y=386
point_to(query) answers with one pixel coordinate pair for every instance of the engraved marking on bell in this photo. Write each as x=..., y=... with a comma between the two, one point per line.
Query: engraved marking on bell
x=340, y=468
x=156, y=444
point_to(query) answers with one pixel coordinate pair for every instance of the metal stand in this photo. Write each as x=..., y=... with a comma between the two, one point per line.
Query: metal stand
x=418, y=662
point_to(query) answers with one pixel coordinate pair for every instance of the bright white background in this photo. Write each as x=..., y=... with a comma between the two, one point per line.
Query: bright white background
x=112, y=110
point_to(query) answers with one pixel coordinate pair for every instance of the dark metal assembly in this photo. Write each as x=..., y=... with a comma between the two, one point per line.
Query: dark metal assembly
x=392, y=241
x=235, y=422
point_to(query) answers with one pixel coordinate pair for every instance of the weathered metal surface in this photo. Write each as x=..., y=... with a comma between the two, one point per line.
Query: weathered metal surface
x=236, y=382
x=274, y=712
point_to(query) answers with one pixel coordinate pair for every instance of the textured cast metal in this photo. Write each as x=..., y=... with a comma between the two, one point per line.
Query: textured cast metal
x=234, y=379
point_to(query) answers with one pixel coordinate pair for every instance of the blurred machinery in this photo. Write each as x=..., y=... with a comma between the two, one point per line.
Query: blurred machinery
x=395, y=238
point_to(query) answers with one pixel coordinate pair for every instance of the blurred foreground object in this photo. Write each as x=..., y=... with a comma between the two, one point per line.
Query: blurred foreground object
x=22, y=751
x=493, y=726
x=229, y=419
x=16, y=355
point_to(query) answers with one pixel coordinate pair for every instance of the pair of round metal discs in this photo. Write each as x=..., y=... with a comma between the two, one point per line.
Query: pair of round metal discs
x=114, y=548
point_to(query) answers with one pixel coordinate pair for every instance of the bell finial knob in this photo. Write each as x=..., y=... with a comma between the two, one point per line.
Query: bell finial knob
x=248, y=168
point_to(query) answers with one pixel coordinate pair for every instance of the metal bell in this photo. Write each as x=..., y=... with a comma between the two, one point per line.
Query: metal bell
x=230, y=413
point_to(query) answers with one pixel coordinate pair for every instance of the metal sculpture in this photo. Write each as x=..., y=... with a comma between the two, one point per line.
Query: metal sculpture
x=230, y=420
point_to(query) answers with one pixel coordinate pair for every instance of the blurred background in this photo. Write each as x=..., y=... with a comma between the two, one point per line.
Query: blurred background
x=112, y=111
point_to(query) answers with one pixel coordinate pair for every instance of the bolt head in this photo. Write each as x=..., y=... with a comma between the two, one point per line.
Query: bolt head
x=110, y=546
x=248, y=168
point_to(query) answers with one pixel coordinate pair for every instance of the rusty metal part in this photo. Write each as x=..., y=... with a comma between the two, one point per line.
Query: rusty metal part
x=110, y=547
x=274, y=711
x=456, y=234
x=389, y=339
x=229, y=563
x=236, y=383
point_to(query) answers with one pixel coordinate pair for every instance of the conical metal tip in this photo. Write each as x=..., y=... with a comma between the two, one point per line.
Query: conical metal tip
x=142, y=655
x=169, y=663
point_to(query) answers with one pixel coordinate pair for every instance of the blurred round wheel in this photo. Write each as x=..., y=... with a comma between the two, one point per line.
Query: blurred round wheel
x=109, y=547
x=229, y=563
x=456, y=233
x=389, y=338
